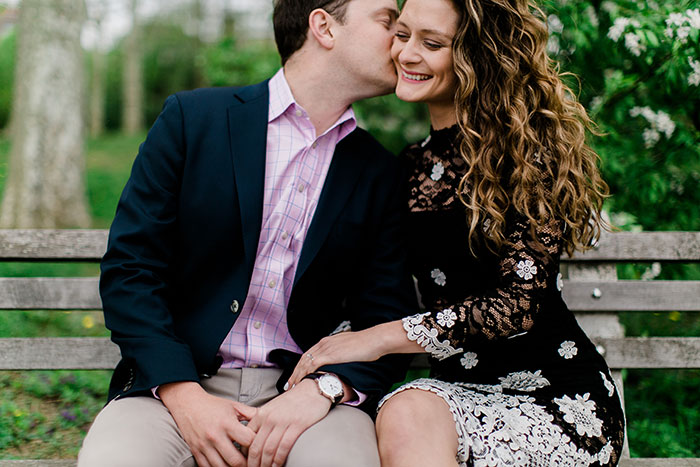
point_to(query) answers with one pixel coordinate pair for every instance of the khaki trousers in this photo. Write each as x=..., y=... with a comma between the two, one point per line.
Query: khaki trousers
x=139, y=431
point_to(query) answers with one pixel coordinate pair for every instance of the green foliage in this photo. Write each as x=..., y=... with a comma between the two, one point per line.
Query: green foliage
x=7, y=71
x=637, y=81
x=230, y=63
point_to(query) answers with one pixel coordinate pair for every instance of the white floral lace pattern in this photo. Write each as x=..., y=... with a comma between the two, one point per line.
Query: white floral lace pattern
x=580, y=412
x=469, y=360
x=446, y=318
x=438, y=170
x=504, y=430
x=439, y=277
x=609, y=385
x=568, y=349
x=427, y=338
x=525, y=381
x=526, y=269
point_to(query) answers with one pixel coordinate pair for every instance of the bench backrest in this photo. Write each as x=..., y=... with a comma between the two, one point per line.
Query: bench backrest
x=591, y=289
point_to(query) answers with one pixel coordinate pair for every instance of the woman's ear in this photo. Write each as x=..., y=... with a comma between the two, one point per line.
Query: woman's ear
x=320, y=25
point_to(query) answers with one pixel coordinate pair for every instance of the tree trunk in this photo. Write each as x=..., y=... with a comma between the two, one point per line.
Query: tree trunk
x=45, y=184
x=132, y=121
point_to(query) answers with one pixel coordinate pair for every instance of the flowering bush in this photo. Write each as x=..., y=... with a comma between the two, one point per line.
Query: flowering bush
x=639, y=67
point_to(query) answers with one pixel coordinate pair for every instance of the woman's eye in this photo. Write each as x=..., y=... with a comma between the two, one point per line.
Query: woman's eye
x=433, y=45
x=402, y=36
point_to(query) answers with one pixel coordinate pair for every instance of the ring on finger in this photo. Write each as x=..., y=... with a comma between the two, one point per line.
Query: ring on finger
x=311, y=357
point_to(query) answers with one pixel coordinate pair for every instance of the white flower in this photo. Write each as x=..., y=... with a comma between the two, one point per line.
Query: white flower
x=581, y=413
x=694, y=78
x=633, y=44
x=446, y=318
x=438, y=170
x=660, y=123
x=693, y=18
x=604, y=454
x=608, y=384
x=675, y=19
x=650, y=137
x=568, y=349
x=526, y=269
x=439, y=277
x=592, y=16
x=555, y=24
x=653, y=271
x=682, y=33
x=560, y=282
x=618, y=27
x=469, y=360
x=524, y=381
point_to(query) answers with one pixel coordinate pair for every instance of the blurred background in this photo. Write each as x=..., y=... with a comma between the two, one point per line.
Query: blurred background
x=82, y=80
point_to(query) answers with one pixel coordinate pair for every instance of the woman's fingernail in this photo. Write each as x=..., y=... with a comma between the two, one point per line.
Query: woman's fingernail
x=286, y=386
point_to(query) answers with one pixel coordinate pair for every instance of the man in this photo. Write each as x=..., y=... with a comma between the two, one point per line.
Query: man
x=257, y=221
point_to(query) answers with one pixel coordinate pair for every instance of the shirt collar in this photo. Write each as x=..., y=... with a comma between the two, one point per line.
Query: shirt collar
x=282, y=100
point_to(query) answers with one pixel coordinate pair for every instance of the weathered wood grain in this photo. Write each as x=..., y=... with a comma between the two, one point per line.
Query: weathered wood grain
x=636, y=352
x=644, y=246
x=632, y=295
x=42, y=244
x=48, y=353
x=42, y=293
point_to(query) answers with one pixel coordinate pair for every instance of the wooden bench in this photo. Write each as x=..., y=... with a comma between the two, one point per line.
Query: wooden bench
x=591, y=289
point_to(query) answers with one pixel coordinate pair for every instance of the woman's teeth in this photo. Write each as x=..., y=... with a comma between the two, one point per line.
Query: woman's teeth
x=415, y=77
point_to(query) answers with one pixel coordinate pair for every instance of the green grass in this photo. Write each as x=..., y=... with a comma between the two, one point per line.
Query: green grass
x=45, y=414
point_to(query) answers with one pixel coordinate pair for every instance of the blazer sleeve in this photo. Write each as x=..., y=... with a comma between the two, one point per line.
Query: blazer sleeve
x=385, y=292
x=135, y=281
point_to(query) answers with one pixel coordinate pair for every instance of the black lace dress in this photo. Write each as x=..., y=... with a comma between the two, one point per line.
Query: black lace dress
x=524, y=384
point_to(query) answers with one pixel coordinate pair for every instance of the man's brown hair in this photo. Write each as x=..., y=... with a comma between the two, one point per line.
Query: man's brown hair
x=291, y=21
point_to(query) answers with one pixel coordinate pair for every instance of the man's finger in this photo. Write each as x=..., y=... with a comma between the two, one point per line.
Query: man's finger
x=255, y=449
x=271, y=444
x=246, y=412
x=240, y=433
x=229, y=454
x=285, y=446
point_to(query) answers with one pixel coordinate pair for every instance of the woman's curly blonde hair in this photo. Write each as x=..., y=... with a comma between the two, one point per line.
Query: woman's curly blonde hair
x=523, y=131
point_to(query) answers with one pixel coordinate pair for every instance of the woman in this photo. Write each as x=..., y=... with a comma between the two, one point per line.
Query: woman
x=515, y=381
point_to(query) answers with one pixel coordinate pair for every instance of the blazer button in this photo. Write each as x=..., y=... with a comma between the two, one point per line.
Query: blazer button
x=234, y=306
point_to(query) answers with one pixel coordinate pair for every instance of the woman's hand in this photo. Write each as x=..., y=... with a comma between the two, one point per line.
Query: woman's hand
x=367, y=345
x=360, y=346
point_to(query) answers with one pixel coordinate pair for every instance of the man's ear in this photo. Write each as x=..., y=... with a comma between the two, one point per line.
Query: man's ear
x=320, y=25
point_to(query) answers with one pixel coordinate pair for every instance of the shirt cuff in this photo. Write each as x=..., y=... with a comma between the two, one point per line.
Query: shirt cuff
x=361, y=397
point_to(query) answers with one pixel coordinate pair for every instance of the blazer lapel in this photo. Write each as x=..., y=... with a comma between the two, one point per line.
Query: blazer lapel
x=345, y=170
x=248, y=139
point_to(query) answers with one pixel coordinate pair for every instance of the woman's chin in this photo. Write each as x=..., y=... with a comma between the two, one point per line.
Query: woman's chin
x=407, y=96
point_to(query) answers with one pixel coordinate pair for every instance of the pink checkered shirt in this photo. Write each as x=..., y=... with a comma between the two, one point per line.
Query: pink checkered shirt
x=297, y=162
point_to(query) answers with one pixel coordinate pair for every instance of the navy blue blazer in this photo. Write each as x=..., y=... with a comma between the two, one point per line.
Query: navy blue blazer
x=183, y=242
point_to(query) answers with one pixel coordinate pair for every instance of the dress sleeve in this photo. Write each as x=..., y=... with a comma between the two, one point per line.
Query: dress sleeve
x=507, y=310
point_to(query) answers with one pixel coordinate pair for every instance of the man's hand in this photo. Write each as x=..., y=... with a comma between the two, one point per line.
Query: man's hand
x=209, y=424
x=280, y=422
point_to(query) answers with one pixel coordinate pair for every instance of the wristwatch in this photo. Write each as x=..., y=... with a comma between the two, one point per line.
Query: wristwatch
x=329, y=385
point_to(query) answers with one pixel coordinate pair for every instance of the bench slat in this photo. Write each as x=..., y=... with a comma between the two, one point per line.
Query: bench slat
x=48, y=293
x=633, y=462
x=44, y=244
x=636, y=353
x=89, y=245
x=644, y=246
x=50, y=353
x=632, y=295
x=33, y=293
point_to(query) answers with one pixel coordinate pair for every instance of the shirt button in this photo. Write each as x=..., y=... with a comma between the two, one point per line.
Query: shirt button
x=299, y=113
x=254, y=365
x=234, y=306
x=315, y=144
x=301, y=188
x=272, y=284
x=285, y=235
x=257, y=325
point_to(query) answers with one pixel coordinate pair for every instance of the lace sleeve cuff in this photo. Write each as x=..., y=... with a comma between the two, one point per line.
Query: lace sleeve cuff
x=428, y=338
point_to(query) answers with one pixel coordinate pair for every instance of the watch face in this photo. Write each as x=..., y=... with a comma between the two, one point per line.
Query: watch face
x=331, y=385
